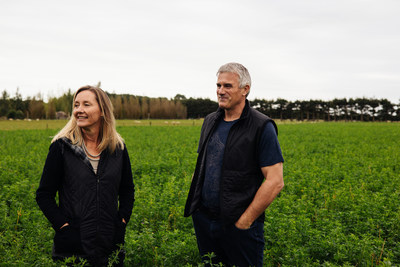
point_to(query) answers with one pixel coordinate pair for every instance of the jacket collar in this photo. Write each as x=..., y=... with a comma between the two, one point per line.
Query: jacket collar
x=78, y=151
x=215, y=118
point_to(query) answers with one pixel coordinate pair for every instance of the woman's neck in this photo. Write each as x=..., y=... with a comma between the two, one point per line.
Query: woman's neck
x=90, y=136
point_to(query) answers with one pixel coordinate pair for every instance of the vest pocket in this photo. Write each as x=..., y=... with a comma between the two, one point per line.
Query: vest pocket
x=237, y=192
x=235, y=181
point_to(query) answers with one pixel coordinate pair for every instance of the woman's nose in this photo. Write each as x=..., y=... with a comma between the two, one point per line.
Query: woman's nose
x=79, y=108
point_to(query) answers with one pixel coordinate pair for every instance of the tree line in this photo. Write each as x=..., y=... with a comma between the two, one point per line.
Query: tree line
x=353, y=109
x=125, y=107
x=141, y=107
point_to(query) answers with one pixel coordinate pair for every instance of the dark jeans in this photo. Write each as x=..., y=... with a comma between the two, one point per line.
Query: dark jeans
x=232, y=246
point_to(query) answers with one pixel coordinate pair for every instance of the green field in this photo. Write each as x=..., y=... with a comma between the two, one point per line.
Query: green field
x=58, y=124
x=340, y=205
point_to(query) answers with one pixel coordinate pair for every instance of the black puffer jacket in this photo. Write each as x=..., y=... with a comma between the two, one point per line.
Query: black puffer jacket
x=93, y=204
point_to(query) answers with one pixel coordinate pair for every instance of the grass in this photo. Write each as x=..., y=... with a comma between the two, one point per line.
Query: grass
x=10, y=125
x=340, y=205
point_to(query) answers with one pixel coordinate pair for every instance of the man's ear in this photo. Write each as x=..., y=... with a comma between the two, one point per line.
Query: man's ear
x=246, y=90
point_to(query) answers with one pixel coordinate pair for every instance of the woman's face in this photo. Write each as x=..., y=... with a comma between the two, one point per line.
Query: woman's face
x=86, y=110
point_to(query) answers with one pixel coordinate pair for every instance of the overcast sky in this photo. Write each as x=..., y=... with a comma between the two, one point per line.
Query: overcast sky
x=309, y=49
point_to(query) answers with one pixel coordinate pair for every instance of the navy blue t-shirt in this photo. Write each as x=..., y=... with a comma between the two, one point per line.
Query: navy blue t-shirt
x=270, y=154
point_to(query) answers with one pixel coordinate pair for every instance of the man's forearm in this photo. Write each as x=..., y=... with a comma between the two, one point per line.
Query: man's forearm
x=267, y=192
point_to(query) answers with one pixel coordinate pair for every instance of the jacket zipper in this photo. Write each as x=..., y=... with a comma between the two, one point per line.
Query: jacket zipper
x=98, y=199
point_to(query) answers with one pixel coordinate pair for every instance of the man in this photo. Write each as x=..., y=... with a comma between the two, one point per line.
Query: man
x=238, y=174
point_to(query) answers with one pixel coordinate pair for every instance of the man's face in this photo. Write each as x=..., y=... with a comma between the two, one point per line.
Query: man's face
x=229, y=94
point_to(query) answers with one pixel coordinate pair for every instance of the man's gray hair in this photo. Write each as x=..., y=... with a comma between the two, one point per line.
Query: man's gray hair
x=240, y=70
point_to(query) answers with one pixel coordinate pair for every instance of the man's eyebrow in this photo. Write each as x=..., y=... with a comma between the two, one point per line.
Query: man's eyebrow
x=224, y=83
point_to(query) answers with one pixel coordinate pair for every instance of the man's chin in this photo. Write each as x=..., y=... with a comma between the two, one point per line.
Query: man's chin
x=222, y=105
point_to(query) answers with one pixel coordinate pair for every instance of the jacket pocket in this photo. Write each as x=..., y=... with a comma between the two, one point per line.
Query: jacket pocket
x=68, y=240
x=120, y=228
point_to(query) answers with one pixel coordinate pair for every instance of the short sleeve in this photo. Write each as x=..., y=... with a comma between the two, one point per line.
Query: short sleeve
x=269, y=151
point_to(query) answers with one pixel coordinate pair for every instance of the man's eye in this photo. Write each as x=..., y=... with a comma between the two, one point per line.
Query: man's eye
x=218, y=85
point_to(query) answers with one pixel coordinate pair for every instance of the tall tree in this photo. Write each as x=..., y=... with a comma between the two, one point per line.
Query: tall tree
x=51, y=109
x=4, y=103
x=37, y=109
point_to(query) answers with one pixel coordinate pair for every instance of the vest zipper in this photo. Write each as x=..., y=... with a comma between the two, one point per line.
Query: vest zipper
x=222, y=166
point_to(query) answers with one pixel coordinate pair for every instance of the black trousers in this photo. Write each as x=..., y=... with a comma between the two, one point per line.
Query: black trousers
x=231, y=246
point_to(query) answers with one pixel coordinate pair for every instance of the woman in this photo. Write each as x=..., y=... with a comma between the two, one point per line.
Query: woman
x=89, y=166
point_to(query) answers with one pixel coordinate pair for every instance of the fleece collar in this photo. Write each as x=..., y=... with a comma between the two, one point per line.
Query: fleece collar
x=78, y=151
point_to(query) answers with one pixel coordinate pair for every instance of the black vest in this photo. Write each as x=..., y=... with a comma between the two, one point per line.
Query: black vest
x=241, y=175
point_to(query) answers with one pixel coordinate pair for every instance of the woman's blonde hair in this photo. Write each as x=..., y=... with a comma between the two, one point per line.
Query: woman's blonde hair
x=109, y=138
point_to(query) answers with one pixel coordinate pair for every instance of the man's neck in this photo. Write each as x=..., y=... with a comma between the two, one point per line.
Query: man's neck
x=235, y=113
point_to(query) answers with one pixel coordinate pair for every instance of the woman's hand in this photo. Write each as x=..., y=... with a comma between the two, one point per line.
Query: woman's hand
x=65, y=224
